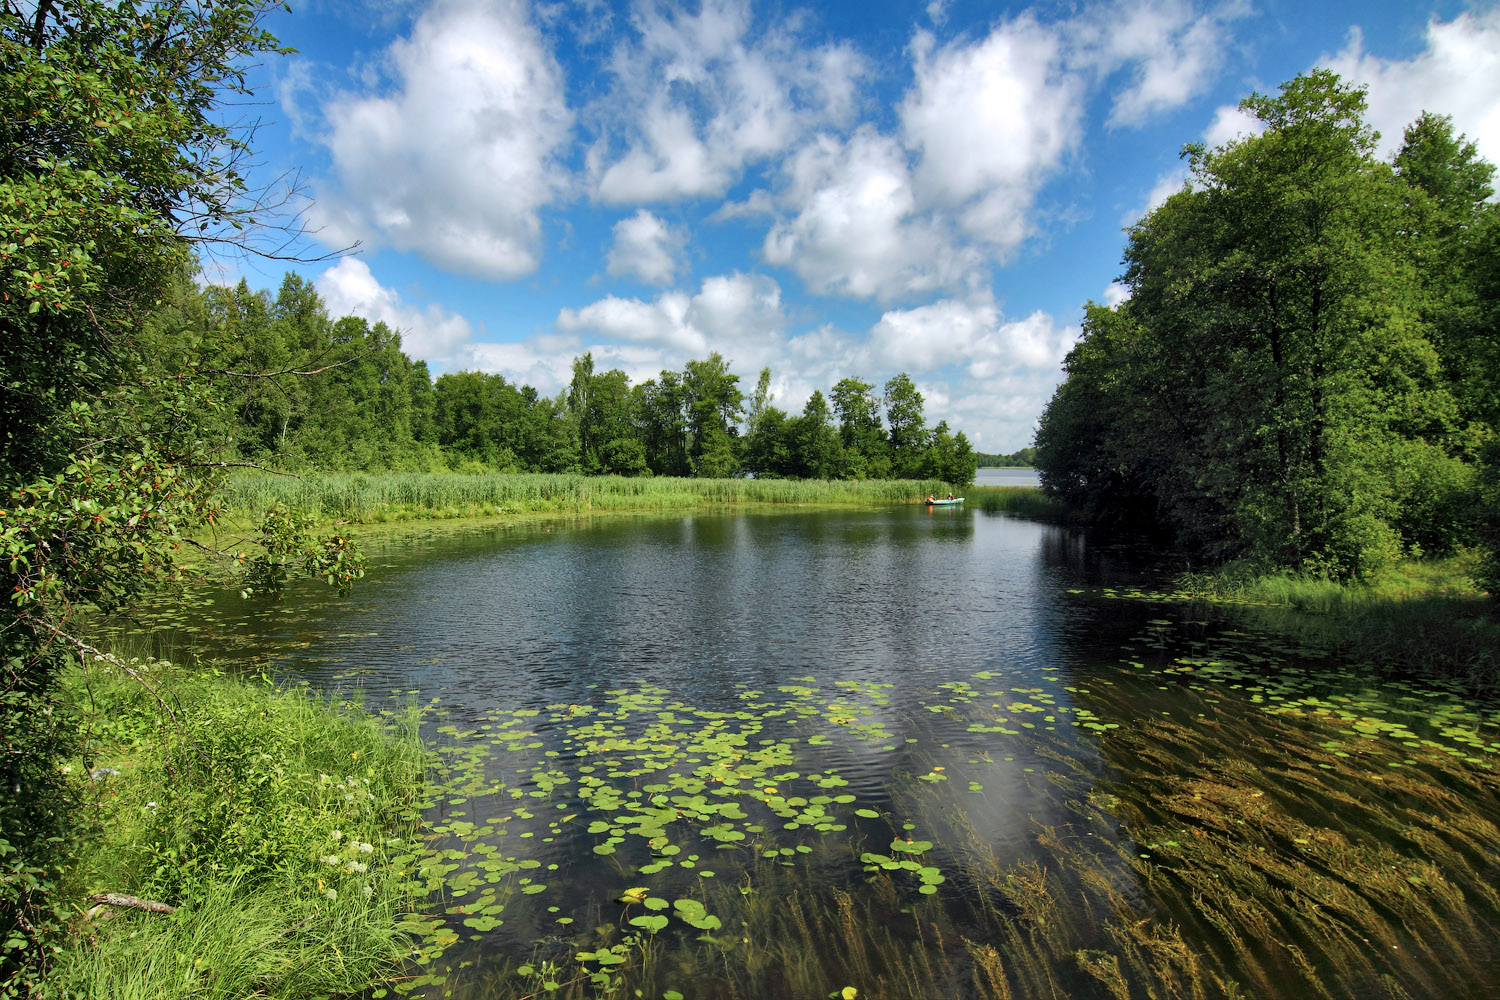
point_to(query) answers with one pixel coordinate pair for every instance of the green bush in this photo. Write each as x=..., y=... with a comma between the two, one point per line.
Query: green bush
x=278, y=825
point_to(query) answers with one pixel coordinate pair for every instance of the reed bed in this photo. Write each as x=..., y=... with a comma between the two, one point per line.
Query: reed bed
x=1425, y=616
x=367, y=498
x=1027, y=500
x=1409, y=580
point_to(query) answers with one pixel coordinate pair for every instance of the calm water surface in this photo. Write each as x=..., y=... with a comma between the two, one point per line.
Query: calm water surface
x=910, y=752
x=1007, y=477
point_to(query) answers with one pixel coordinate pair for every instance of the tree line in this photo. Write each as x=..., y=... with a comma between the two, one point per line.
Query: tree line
x=1306, y=373
x=368, y=406
x=1024, y=458
x=120, y=162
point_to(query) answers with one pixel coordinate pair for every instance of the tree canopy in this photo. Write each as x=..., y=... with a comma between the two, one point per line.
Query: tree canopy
x=1292, y=378
x=371, y=407
x=117, y=167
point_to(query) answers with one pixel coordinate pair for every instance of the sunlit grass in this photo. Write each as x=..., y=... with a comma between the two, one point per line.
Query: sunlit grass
x=1405, y=581
x=268, y=818
x=377, y=497
x=1027, y=500
x=1425, y=615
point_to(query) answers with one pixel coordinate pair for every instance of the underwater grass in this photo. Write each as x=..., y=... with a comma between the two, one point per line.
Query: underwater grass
x=377, y=497
x=268, y=818
x=1224, y=812
x=1219, y=823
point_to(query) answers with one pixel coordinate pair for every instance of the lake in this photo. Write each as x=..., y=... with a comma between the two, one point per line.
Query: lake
x=1007, y=477
x=896, y=751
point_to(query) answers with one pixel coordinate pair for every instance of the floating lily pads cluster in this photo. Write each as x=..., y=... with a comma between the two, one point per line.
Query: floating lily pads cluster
x=654, y=790
x=835, y=833
x=607, y=829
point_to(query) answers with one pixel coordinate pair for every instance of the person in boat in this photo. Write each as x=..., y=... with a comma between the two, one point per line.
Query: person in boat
x=929, y=498
x=950, y=496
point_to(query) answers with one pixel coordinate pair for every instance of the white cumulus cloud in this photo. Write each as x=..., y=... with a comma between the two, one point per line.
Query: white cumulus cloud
x=349, y=288
x=1458, y=74
x=971, y=334
x=989, y=122
x=986, y=124
x=1231, y=123
x=1169, y=50
x=739, y=315
x=457, y=157
x=699, y=96
x=645, y=248
x=857, y=230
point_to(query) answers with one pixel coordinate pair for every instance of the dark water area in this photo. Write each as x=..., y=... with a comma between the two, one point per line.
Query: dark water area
x=904, y=751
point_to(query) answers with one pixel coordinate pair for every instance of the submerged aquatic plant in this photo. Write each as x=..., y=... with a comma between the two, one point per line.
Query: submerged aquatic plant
x=1215, y=817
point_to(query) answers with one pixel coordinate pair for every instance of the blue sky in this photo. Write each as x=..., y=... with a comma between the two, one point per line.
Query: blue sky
x=828, y=190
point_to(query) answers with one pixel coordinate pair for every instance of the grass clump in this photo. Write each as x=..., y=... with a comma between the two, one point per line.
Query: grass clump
x=1414, y=579
x=1027, y=500
x=397, y=496
x=1423, y=615
x=276, y=824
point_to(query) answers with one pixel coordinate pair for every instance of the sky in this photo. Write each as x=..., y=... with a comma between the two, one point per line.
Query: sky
x=829, y=190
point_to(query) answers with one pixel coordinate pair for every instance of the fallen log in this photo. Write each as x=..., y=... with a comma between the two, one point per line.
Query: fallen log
x=119, y=899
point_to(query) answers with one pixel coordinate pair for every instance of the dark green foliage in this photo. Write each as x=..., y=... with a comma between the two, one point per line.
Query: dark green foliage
x=866, y=448
x=302, y=391
x=768, y=449
x=1291, y=379
x=903, y=414
x=1084, y=449
x=818, y=451
x=949, y=457
x=714, y=406
x=114, y=165
x=1023, y=459
x=1489, y=522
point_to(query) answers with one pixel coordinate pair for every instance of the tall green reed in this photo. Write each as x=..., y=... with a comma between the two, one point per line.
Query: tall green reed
x=364, y=497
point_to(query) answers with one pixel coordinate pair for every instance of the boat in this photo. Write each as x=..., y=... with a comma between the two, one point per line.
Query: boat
x=943, y=503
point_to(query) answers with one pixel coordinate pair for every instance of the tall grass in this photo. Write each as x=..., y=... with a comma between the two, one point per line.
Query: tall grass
x=273, y=822
x=1405, y=581
x=375, y=497
x=1425, y=616
x=1028, y=500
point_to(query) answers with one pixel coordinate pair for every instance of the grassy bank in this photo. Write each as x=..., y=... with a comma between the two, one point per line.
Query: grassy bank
x=272, y=822
x=1027, y=500
x=1419, y=615
x=1412, y=580
x=397, y=496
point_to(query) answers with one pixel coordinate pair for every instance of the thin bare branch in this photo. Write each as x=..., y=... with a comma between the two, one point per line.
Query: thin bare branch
x=289, y=371
x=112, y=660
x=39, y=29
x=120, y=900
x=241, y=465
